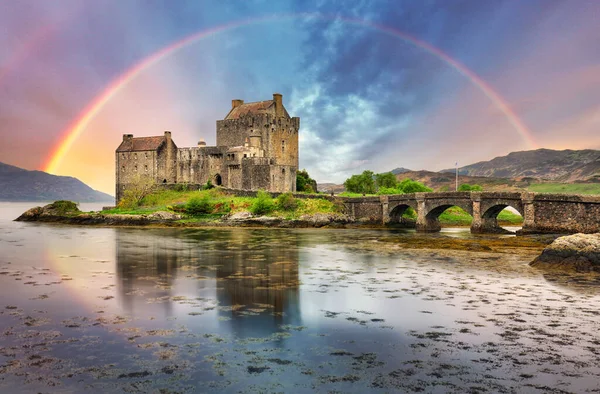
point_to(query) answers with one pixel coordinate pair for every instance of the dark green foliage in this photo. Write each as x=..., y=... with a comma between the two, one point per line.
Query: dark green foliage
x=63, y=207
x=199, y=206
x=263, y=203
x=465, y=187
x=362, y=183
x=304, y=183
x=410, y=186
x=208, y=185
x=389, y=190
x=182, y=187
x=386, y=180
x=287, y=202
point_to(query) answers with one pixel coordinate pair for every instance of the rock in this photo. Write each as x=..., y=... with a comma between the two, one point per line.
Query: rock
x=325, y=219
x=240, y=216
x=56, y=209
x=163, y=215
x=580, y=252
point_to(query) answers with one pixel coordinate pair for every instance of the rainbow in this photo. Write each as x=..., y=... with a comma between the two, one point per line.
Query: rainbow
x=78, y=125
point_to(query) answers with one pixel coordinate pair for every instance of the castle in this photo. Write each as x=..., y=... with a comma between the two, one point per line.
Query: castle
x=257, y=148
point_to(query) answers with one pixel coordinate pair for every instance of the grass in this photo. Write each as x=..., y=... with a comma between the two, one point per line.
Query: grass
x=221, y=203
x=568, y=188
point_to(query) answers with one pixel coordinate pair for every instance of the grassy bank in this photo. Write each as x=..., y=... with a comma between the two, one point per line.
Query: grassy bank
x=568, y=188
x=213, y=204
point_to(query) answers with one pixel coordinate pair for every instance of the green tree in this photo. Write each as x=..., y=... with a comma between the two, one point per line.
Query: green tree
x=304, y=183
x=362, y=183
x=410, y=186
x=386, y=180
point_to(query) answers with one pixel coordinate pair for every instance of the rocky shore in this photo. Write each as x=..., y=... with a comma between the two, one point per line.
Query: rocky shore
x=579, y=252
x=52, y=214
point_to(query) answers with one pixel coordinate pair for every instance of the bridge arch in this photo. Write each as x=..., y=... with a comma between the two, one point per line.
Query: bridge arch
x=429, y=219
x=489, y=211
x=397, y=212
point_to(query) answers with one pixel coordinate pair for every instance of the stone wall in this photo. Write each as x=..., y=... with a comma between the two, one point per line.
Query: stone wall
x=556, y=213
x=130, y=166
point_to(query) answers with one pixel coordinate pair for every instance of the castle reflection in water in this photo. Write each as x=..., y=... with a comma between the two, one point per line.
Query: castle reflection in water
x=249, y=277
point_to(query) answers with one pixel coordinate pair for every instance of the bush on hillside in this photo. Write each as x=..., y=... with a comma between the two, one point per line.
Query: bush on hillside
x=263, y=203
x=199, y=206
x=287, y=202
x=465, y=187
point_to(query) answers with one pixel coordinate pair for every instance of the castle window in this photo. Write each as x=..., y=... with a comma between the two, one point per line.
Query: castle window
x=135, y=168
x=146, y=155
x=282, y=146
x=123, y=169
x=146, y=168
x=135, y=156
x=245, y=155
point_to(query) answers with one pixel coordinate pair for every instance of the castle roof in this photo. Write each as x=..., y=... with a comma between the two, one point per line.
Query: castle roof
x=258, y=107
x=141, y=144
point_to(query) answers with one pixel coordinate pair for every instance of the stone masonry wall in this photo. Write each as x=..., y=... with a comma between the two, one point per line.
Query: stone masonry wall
x=554, y=213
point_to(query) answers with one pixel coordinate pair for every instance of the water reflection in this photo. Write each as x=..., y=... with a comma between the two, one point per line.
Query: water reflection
x=253, y=277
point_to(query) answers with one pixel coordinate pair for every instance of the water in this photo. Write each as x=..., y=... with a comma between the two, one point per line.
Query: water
x=250, y=310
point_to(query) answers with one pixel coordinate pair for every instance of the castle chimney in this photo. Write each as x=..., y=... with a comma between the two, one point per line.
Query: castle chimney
x=168, y=135
x=236, y=103
x=127, y=137
x=278, y=104
x=201, y=142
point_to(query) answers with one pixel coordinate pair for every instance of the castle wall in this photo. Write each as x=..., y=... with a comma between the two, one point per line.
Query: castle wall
x=131, y=166
x=283, y=141
x=166, y=159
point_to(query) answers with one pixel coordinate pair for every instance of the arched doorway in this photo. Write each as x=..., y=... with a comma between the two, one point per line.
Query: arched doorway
x=218, y=180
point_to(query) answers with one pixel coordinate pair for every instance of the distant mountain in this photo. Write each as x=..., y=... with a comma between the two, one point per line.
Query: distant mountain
x=400, y=170
x=559, y=166
x=18, y=184
x=446, y=181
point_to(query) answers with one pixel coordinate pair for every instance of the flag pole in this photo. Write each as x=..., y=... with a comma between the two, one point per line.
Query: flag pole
x=456, y=176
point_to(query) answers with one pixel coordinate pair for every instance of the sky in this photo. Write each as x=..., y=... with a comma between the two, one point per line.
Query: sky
x=377, y=84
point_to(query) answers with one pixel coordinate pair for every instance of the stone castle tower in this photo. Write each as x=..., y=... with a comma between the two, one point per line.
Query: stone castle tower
x=257, y=148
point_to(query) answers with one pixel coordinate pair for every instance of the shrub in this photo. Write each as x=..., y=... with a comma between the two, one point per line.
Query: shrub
x=410, y=186
x=389, y=190
x=287, y=202
x=465, y=187
x=199, y=205
x=208, y=185
x=63, y=207
x=262, y=204
x=182, y=187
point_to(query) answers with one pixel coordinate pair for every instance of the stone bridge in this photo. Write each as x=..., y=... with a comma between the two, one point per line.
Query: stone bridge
x=542, y=213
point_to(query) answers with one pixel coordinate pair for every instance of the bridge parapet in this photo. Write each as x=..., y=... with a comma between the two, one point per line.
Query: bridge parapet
x=542, y=213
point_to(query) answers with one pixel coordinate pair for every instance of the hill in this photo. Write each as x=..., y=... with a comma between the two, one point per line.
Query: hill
x=445, y=181
x=546, y=164
x=18, y=184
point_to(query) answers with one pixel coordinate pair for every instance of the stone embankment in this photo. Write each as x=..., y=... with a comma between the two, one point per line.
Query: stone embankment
x=579, y=252
x=49, y=214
